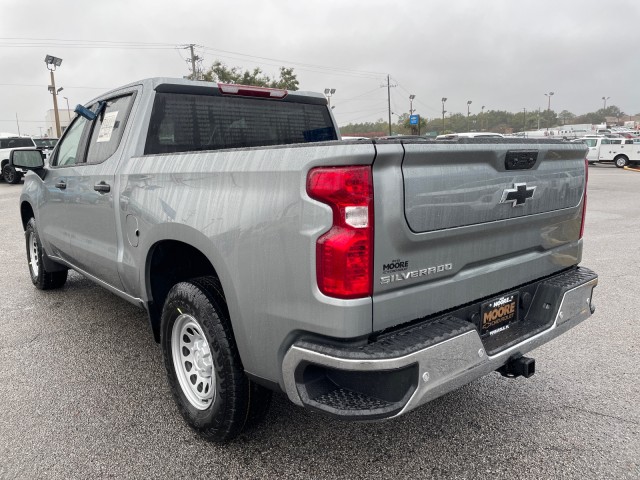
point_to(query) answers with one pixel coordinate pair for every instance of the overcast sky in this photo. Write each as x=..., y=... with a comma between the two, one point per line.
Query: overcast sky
x=503, y=54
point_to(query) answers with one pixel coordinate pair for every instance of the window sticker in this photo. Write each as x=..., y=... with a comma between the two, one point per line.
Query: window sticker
x=106, y=129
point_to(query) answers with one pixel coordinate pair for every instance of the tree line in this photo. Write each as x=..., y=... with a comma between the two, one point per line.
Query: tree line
x=499, y=121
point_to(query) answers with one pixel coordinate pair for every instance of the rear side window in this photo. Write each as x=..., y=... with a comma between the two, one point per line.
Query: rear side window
x=183, y=122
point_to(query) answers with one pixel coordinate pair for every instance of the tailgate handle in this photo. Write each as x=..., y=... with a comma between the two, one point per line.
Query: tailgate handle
x=520, y=159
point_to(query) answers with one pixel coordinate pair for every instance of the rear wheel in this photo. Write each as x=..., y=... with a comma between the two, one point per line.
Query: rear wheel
x=40, y=276
x=10, y=174
x=203, y=365
x=621, y=161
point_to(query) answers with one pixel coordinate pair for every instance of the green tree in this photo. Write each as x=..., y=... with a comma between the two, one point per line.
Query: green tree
x=219, y=72
x=566, y=117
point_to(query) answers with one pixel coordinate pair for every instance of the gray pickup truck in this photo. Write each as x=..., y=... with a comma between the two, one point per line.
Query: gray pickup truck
x=361, y=278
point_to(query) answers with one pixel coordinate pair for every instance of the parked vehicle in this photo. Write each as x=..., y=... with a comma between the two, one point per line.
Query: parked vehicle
x=362, y=279
x=454, y=136
x=7, y=144
x=621, y=151
x=45, y=145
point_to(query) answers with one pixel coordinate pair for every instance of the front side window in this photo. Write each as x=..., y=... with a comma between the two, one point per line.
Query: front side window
x=591, y=142
x=108, y=128
x=69, y=151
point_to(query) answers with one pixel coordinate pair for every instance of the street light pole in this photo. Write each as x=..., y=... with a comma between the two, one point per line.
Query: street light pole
x=444, y=99
x=549, y=95
x=604, y=107
x=53, y=62
x=329, y=92
x=68, y=112
x=524, y=126
x=468, y=113
x=482, y=118
x=413, y=128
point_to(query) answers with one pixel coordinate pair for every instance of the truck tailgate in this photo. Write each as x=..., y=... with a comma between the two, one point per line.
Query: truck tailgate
x=460, y=221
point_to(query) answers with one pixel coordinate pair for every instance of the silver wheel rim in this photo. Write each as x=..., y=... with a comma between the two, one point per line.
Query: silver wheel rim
x=621, y=162
x=34, y=260
x=192, y=362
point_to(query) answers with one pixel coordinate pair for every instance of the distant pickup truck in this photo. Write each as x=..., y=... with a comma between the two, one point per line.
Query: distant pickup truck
x=7, y=145
x=362, y=278
x=620, y=151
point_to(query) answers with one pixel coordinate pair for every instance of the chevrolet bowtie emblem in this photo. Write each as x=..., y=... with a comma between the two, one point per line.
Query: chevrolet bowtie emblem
x=518, y=194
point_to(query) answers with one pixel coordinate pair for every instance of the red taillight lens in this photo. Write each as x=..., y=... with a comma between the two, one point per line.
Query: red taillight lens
x=344, y=254
x=584, y=201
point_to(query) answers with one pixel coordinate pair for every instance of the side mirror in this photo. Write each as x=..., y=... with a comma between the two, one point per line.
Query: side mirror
x=27, y=159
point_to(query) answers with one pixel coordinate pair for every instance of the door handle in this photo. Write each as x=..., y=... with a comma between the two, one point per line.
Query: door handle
x=102, y=187
x=61, y=184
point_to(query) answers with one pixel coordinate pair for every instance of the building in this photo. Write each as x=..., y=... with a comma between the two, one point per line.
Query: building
x=65, y=117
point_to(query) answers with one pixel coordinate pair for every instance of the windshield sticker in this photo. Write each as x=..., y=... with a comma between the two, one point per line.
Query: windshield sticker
x=106, y=129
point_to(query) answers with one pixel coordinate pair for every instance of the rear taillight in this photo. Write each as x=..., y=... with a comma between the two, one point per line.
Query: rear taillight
x=250, y=91
x=344, y=254
x=584, y=201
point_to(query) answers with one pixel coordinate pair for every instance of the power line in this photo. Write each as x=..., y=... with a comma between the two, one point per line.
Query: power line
x=43, y=85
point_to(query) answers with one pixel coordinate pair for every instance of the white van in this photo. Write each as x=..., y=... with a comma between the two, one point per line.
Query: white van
x=621, y=151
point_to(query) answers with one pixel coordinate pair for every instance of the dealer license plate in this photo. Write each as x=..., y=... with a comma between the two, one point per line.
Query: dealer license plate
x=498, y=313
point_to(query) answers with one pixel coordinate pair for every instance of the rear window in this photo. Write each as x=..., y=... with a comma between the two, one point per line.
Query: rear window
x=16, y=142
x=183, y=122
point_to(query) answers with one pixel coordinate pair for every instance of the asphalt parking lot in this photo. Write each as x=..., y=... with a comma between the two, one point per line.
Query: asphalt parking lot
x=83, y=391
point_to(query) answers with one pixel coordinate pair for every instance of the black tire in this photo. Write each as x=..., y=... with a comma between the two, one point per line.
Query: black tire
x=221, y=399
x=40, y=276
x=621, y=161
x=10, y=174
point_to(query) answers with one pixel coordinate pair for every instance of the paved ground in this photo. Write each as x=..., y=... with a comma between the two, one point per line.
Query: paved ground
x=83, y=392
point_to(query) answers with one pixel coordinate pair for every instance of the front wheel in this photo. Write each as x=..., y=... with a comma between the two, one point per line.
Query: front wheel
x=10, y=174
x=40, y=276
x=203, y=365
x=621, y=161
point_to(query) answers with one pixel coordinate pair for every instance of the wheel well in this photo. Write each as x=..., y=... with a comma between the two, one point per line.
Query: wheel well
x=26, y=212
x=171, y=262
x=622, y=155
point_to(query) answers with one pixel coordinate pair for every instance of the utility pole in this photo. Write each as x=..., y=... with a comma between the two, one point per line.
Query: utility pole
x=193, y=60
x=524, y=129
x=18, y=123
x=389, y=101
x=538, y=118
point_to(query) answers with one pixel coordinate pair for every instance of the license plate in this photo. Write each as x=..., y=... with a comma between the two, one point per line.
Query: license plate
x=498, y=313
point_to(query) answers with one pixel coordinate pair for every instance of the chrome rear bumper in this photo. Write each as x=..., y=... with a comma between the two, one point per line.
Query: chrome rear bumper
x=311, y=371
